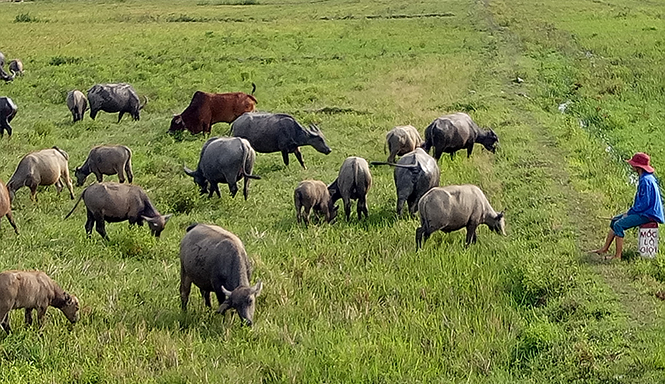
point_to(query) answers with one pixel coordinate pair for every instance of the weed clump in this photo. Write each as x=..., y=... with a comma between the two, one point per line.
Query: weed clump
x=26, y=18
x=60, y=60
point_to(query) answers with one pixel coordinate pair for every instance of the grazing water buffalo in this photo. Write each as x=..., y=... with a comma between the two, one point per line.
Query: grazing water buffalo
x=353, y=182
x=77, y=104
x=313, y=194
x=402, y=140
x=33, y=290
x=215, y=261
x=450, y=133
x=115, y=98
x=268, y=132
x=16, y=67
x=454, y=207
x=106, y=160
x=45, y=167
x=206, y=109
x=115, y=202
x=224, y=160
x=5, y=206
x=7, y=112
x=3, y=75
x=415, y=173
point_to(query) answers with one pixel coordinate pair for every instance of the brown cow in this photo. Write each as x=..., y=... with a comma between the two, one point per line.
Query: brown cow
x=5, y=206
x=206, y=109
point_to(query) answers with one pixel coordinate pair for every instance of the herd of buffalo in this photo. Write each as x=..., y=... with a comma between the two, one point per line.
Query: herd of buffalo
x=211, y=257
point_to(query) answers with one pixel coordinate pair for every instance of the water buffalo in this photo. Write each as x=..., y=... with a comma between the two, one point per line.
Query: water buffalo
x=45, y=167
x=206, y=109
x=268, y=132
x=454, y=207
x=3, y=75
x=215, y=261
x=16, y=67
x=353, y=182
x=77, y=104
x=415, y=173
x=115, y=202
x=115, y=98
x=7, y=112
x=5, y=206
x=402, y=140
x=450, y=133
x=313, y=194
x=106, y=160
x=33, y=290
x=224, y=160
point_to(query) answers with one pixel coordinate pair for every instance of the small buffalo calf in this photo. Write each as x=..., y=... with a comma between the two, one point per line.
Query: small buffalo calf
x=33, y=290
x=313, y=194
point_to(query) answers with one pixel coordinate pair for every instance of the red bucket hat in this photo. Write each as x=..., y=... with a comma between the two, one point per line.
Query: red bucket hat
x=641, y=160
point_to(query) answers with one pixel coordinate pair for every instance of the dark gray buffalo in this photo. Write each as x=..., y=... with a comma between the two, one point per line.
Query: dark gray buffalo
x=115, y=98
x=215, y=261
x=415, y=174
x=106, y=160
x=77, y=104
x=224, y=160
x=455, y=207
x=16, y=67
x=353, y=182
x=7, y=112
x=269, y=132
x=456, y=131
x=115, y=202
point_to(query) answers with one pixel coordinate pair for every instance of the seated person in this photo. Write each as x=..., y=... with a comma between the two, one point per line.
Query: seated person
x=648, y=206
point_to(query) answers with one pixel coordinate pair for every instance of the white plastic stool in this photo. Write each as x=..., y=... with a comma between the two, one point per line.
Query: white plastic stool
x=648, y=240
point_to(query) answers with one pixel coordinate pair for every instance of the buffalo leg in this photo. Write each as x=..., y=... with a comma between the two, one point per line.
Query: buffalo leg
x=347, y=208
x=68, y=183
x=93, y=113
x=469, y=150
x=89, y=223
x=28, y=316
x=245, y=189
x=419, y=237
x=121, y=176
x=120, y=115
x=233, y=188
x=306, y=214
x=299, y=157
x=100, y=226
x=10, y=217
x=215, y=187
x=99, y=177
x=185, y=287
x=5, y=321
x=285, y=157
x=58, y=186
x=206, y=297
x=362, y=208
x=217, y=284
x=128, y=170
x=33, y=192
x=471, y=234
x=452, y=156
x=41, y=311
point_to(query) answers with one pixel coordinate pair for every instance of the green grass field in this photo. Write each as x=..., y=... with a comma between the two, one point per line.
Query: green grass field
x=351, y=301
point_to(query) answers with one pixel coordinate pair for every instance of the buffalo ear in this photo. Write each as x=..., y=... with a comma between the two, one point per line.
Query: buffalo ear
x=222, y=308
x=256, y=289
x=167, y=217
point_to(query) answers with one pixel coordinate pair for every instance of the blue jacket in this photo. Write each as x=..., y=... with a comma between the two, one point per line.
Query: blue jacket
x=647, y=200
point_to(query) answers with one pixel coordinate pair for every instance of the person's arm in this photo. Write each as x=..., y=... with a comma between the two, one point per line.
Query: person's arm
x=644, y=199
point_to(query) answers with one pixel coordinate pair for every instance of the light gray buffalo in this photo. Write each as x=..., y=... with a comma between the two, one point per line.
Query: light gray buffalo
x=270, y=132
x=45, y=167
x=115, y=202
x=215, y=260
x=77, y=104
x=402, y=140
x=455, y=207
x=415, y=174
x=313, y=194
x=106, y=160
x=115, y=98
x=353, y=182
x=16, y=67
x=7, y=112
x=456, y=131
x=5, y=206
x=33, y=290
x=224, y=160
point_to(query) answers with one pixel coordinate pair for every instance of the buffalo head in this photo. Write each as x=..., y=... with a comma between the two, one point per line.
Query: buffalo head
x=243, y=299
